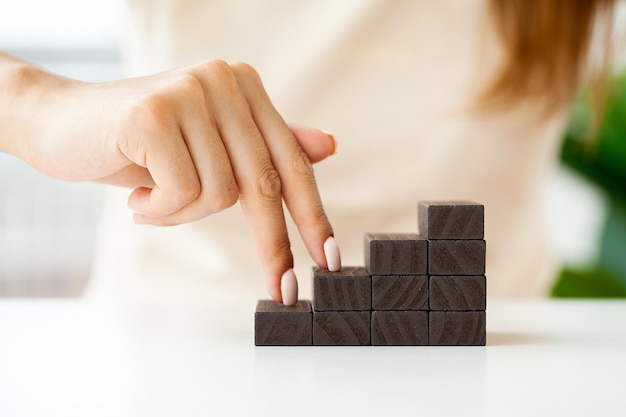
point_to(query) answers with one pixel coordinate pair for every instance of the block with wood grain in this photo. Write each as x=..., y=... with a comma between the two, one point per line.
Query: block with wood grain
x=415, y=289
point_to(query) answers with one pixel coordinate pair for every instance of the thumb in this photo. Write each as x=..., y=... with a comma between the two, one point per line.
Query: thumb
x=317, y=144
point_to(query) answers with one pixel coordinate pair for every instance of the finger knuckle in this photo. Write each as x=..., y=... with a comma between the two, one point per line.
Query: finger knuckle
x=219, y=66
x=188, y=81
x=269, y=186
x=151, y=111
x=186, y=193
x=280, y=252
x=225, y=198
x=221, y=73
x=248, y=75
x=246, y=70
x=188, y=85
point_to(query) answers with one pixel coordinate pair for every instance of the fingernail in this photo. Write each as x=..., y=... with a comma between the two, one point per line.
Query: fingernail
x=332, y=137
x=289, y=288
x=333, y=257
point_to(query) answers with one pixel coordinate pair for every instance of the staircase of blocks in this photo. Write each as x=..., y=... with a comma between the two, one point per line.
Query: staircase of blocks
x=427, y=288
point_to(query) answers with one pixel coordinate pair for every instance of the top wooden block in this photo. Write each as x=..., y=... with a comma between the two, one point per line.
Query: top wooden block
x=451, y=219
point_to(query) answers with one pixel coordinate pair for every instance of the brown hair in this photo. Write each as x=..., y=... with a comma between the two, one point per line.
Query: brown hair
x=548, y=46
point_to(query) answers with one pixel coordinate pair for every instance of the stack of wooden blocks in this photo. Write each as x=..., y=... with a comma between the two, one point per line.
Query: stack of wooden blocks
x=415, y=289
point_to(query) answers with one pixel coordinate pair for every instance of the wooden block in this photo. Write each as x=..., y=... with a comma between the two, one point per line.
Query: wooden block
x=458, y=292
x=400, y=328
x=348, y=289
x=451, y=220
x=400, y=292
x=278, y=325
x=457, y=328
x=396, y=254
x=331, y=328
x=456, y=257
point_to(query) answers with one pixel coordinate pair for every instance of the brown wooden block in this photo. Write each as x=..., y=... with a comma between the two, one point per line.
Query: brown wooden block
x=400, y=328
x=457, y=328
x=458, y=292
x=332, y=328
x=400, y=292
x=278, y=325
x=396, y=254
x=348, y=289
x=451, y=219
x=456, y=257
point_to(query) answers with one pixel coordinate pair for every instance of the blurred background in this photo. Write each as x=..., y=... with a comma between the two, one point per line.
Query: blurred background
x=48, y=227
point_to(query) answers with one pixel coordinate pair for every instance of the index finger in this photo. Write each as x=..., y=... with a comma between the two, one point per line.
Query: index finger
x=299, y=188
x=258, y=182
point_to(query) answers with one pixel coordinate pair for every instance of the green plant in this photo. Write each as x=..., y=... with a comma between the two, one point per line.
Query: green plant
x=602, y=160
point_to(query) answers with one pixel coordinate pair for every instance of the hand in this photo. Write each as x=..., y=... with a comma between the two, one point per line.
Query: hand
x=191, y=142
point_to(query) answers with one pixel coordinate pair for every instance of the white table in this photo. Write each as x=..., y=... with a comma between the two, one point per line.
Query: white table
x=77, y=358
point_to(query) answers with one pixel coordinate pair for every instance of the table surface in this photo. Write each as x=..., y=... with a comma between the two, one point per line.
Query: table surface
x=80, y=358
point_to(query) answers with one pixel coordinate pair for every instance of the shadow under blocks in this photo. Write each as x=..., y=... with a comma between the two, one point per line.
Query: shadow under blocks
x=415, y=289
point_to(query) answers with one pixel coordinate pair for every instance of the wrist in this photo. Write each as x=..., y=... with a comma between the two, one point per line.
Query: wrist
x=25, y=92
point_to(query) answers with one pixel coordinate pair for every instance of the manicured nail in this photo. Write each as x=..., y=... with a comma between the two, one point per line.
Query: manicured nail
x=289, y=288
x=333, y=257
x=332, y=137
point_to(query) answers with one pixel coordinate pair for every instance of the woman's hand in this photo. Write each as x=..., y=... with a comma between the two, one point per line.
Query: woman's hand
x=191, y=142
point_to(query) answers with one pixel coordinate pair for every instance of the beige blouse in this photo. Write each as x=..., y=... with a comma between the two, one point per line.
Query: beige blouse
x=394, y=81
